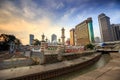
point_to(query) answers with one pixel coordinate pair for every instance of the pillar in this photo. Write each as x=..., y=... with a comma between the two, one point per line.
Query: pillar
x=59, y=53
x=42, y=56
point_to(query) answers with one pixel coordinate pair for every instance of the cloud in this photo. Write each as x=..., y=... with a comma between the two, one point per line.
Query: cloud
x=60, y=5
x=67, y=15
x=23, y=17
x=22, y=29
x=21, y=26
x=115, y=19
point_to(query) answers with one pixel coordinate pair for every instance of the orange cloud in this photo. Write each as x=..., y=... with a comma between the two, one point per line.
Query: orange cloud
x=22, y=29
x=21, y=24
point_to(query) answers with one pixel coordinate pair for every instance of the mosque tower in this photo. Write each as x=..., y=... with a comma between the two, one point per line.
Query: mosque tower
x=63, y=36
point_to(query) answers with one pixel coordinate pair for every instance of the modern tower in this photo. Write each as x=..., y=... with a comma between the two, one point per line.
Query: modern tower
x=53, y=38
x=90, y=29
x=72, y=36
x=116, y=31
x=31, y=39
x=63, y=36
x=84, y=32
x=105, y=29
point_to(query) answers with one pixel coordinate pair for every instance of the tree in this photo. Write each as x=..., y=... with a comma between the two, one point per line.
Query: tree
x=18, y=42
x=89, y=46
x=7, y=39
x=36, y=42
x=11, y=38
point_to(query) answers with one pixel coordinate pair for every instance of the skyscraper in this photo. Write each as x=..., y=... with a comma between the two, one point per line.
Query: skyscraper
x=116, y=31
x=105, y=29
x=72, y=36
x=84, y=32
x=53, y=38
x=31, y=38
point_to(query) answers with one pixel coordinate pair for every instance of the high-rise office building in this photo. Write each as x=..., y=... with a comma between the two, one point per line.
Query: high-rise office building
x=84, y=32
x=105, y=29
x=53, y=38
x=116, y=31
x=31, y=39
x=72, y=37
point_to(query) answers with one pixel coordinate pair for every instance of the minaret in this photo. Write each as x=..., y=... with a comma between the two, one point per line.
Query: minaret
x=46, y=43
x=46, y=39
x=43, y=36
x=42, y=43
x=42, y=57
x=59, y=40
x=63, y=36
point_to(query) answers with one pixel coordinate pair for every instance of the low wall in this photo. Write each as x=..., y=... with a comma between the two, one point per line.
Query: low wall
x=49, y=58
x=59, y=71
x=15, y=62
x=53, y=58
x=71, y=56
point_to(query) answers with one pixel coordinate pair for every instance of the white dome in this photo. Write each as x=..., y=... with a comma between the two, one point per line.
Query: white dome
x=54, y=41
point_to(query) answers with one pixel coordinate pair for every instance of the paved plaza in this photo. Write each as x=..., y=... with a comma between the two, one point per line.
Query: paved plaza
x=109, y=72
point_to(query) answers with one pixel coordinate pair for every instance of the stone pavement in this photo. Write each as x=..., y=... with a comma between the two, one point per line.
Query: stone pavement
x=109, y=72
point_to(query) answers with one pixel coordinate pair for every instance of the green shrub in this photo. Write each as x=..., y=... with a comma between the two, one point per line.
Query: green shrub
x=89, y=46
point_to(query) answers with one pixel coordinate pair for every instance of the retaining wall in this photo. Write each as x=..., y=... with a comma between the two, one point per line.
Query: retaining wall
x=15, y=62
x=59, y=70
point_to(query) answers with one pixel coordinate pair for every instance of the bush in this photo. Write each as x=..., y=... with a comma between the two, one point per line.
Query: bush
x=89, y=46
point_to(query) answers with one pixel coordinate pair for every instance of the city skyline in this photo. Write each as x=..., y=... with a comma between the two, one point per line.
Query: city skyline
x=23, y=17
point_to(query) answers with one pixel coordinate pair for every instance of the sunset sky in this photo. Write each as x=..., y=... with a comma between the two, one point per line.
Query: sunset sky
x=24, y=17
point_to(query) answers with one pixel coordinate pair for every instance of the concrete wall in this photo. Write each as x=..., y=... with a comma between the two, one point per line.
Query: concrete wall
x=56, y=72
x=53, y=58
x=15, y=62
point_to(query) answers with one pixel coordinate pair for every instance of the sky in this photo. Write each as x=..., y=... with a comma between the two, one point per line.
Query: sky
x=24, y=17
